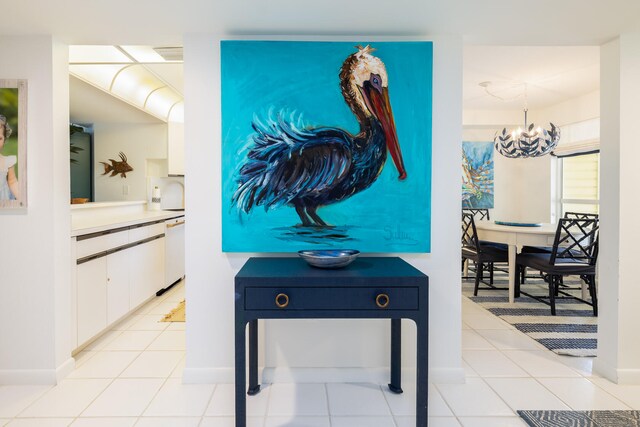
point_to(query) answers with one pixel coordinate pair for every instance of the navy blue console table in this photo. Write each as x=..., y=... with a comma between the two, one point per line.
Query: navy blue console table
x=369, y=288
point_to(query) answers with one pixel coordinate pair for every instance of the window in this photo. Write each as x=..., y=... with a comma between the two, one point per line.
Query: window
x=580, y=183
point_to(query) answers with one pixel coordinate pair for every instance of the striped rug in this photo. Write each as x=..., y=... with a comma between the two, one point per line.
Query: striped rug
x=581, y=418
x=573, y=331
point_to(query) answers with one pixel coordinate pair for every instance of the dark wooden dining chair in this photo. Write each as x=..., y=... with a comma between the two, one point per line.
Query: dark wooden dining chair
x=574, y=252
x=547, y=249
x=478, y=213
x=480, y=254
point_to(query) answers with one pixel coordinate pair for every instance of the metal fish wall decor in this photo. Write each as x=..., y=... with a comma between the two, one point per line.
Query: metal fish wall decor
x=117, y=167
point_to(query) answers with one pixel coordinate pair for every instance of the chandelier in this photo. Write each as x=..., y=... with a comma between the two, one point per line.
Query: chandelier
x=531, y=141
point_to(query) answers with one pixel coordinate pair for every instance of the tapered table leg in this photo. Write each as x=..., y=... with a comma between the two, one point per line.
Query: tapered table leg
x=396, y=356
x=254, y=387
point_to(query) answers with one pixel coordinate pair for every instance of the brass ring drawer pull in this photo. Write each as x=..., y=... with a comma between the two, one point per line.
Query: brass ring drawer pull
x=282, y=300
x=382, y=300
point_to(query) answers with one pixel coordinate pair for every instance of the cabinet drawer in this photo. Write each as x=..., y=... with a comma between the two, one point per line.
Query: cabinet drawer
x=141, y=232
x=327, y=298
x=102, y=243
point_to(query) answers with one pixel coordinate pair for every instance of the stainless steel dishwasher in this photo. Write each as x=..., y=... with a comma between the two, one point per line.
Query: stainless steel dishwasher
x=174, y=252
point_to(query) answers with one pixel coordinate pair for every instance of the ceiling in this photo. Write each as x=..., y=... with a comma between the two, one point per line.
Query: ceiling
x=133, y=74
x=548, y=75
x=153, y=22
x=552, y=74
x=88, y=105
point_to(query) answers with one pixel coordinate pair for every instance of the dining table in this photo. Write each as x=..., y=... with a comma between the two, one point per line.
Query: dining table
x=516, y=236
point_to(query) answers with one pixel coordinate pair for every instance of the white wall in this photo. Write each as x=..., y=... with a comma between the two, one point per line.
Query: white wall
x=139, y=141
x=210, y=290
x=618, y=344
x=35, y=280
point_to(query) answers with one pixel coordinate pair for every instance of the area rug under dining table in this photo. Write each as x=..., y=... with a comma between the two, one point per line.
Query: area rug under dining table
x=573, y=331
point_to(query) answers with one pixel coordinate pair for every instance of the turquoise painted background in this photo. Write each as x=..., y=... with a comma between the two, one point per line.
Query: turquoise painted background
x=301, y=78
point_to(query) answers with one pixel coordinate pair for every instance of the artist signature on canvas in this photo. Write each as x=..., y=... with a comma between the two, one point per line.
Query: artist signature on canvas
x=398, y=236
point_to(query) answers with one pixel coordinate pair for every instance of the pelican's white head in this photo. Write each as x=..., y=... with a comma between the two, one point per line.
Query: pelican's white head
x=364, y=83
x=366, y=68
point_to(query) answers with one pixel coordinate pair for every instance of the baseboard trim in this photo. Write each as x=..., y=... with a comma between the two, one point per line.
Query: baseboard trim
x=208, y=376
x=28, y=377
x=37, y=376
x=629, y=376
x=326, y=375
x=616, y=375
x=447, y=376
x=320, y=375
x=65, y=369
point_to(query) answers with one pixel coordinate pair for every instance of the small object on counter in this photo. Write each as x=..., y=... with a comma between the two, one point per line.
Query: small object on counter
x=329, y=258
x=155, y=199
x=117, y=167
x=79, y=200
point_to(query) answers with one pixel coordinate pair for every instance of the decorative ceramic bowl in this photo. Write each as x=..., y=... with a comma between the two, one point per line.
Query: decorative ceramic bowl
x=329, y=258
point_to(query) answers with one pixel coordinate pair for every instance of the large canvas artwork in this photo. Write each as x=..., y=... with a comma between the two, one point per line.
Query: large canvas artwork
x=477, y=175
x=326, y=145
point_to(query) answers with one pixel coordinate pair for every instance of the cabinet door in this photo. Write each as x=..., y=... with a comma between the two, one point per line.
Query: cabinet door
x=175, y=148
x=92, y=298
x=137, y=275
x=156, y=265
x=117, y=285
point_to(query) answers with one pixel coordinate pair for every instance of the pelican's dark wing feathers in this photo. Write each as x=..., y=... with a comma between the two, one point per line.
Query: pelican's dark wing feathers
x=286, y=163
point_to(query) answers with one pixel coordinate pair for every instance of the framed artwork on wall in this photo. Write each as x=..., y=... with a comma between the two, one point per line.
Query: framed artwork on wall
x=326, y=145
x=477, y=175
x=13, y=145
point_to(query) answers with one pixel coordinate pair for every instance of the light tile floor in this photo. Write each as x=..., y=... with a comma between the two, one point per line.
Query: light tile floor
x=132, y=377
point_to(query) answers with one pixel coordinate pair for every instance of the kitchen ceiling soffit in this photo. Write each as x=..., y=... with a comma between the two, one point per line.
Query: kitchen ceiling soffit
x=134, y=75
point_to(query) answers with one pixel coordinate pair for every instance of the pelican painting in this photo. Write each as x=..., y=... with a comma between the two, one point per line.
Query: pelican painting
x=314, y=151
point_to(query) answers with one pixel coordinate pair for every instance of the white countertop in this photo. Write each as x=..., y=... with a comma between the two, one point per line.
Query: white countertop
x=96, y=223
x=100, y=205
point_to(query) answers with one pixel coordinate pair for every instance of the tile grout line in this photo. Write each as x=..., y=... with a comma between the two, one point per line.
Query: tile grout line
x=384, y=396
x=204, y=413
x=326, y=393
x=445, y=400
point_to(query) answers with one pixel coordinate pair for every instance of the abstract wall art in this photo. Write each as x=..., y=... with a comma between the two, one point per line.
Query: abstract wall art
x=477, y=175
x=326, y=145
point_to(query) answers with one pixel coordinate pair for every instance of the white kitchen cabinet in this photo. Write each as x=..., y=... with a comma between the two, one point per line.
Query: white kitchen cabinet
x=175, y=148
x=147, y=270
x=92, y=298
x=117, y=285
x=116, y=271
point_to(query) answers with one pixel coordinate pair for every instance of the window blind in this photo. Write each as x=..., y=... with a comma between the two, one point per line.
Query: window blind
x=580, y=183
x=579, y=138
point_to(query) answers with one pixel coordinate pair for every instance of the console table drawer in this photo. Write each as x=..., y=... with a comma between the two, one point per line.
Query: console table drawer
x=328, y=298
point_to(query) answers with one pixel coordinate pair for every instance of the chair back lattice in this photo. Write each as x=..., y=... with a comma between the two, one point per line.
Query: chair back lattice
x=478, y=213
x=580, y=215
x=576, y=241
x=469, y=233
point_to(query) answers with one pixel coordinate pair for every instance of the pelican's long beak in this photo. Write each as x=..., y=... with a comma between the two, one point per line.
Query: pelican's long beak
x=380, y=106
